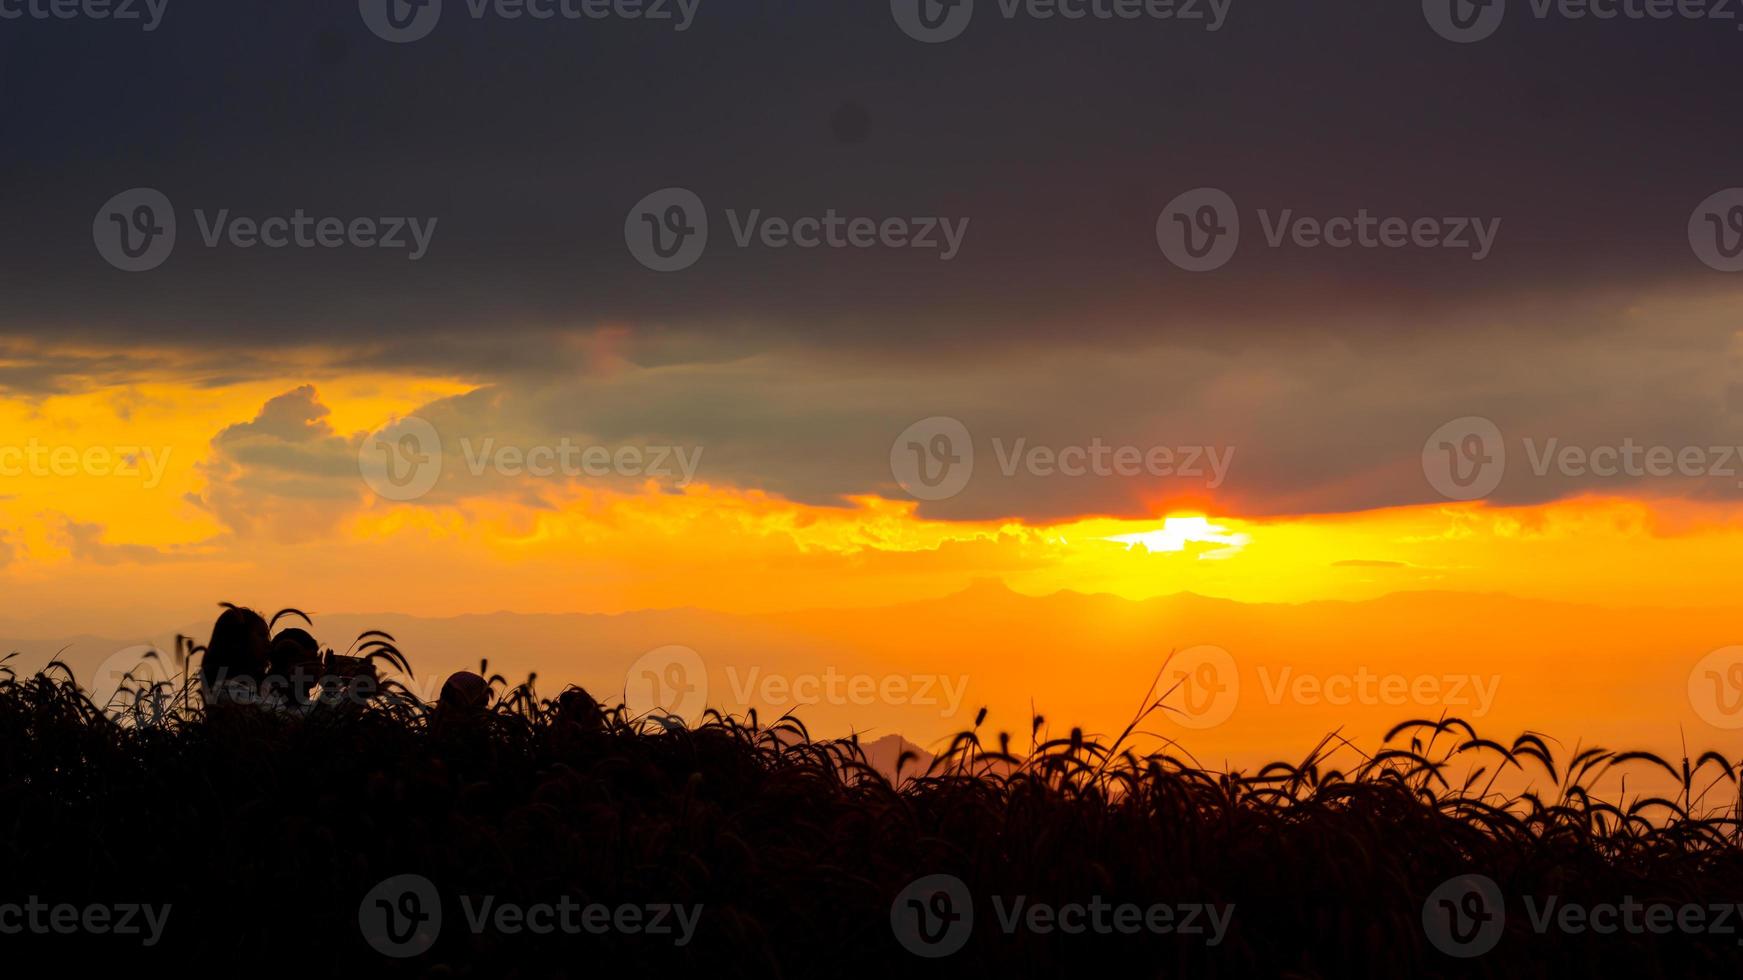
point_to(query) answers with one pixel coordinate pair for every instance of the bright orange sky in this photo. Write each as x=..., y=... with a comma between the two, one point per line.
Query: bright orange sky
x=134, y=554
x=562, y=547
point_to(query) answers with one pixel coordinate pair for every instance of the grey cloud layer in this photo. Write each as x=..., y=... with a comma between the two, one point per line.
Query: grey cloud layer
x=1305, y=427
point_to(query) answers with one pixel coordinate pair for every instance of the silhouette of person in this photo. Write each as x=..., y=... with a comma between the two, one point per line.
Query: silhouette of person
x=463, y=706
x=236, y=657
x=295, y=667
x=463, y=693
x=575, y=707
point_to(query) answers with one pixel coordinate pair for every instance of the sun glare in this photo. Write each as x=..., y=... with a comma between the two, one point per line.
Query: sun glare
x=1178, y=532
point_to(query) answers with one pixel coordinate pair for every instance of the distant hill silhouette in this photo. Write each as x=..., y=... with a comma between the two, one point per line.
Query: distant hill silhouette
x=883, y=754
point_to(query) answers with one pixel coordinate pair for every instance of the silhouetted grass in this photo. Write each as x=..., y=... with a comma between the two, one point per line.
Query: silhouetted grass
x=264, y=829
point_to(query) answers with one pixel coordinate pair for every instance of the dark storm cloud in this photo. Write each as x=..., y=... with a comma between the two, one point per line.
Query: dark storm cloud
x=1060, y=141
x=506, y=156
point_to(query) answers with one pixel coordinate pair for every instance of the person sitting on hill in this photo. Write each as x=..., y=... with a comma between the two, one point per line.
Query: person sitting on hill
x=295, y=668
x=464, y=694
x=576, y=709
x=237, y=657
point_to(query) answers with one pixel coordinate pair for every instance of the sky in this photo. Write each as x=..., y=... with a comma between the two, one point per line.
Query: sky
x=1467, y=322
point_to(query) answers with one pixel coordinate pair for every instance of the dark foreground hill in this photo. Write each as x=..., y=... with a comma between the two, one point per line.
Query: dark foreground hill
x=554, y=837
